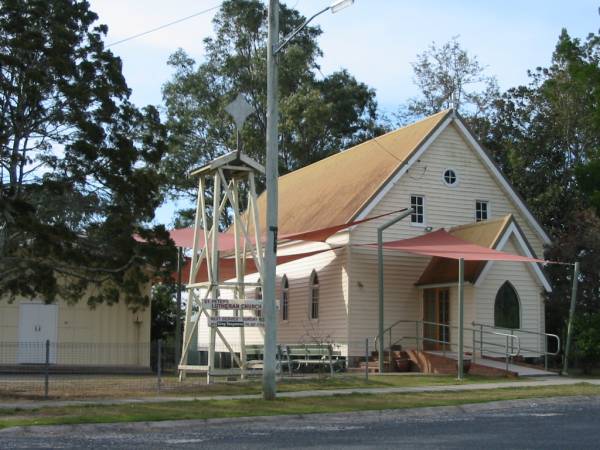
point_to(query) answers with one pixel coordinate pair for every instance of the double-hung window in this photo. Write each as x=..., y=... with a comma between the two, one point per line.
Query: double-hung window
x=417, y=203
x=482, y=209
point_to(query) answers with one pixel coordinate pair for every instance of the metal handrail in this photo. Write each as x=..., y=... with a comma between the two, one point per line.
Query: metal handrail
x=511, y=339
x=389, y=329
x=545, y=353
x=537, y=333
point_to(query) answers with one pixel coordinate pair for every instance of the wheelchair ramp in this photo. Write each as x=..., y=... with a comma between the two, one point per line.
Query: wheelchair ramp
x=517, y=369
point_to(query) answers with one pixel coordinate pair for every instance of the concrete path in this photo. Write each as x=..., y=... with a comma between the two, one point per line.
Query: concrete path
x=555, y=381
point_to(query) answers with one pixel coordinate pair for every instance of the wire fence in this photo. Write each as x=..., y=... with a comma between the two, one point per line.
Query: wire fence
x=90, y=370
x=34, y=370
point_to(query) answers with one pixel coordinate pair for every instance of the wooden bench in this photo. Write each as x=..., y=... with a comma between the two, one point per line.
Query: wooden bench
x=312, y=355
x=255, y=354
x=294, y=357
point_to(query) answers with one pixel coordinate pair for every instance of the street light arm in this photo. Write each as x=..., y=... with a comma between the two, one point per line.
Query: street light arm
x=278, y=47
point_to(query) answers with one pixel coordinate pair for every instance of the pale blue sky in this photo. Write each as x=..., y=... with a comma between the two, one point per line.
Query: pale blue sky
x=376, y=40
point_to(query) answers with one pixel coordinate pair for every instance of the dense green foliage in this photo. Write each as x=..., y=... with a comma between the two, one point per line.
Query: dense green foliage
x=547, y=137
x=164, y=312
x=78, y=162
x=587, y=340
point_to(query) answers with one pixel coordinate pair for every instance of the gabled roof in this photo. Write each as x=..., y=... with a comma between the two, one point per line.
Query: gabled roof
x=486, y=233
x=348, y=185
x=335, y=189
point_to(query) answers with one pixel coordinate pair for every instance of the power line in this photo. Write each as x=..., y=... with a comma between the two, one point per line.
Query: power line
x=135, y=36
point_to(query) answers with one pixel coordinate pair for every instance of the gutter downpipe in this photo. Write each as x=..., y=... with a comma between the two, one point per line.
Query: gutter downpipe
x=380, y=231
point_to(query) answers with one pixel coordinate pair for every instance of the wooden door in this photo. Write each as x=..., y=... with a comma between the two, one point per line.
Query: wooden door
x=436, y=317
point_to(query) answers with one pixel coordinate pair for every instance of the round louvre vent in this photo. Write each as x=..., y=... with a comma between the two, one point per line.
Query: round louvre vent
x=450, y=177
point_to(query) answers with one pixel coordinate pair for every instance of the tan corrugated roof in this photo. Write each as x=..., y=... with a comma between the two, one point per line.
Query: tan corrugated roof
x=334, y=190
x=486, y=234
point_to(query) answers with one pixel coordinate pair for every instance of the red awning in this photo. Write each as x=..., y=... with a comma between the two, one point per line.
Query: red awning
x=184, y=237
x=443, y=244
x=321, y=235
x=227, y=266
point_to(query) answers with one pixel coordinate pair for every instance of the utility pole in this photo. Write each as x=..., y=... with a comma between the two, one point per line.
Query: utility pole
x=272, y=161
x=565, y=370
x=178, y=316
x=269, y=362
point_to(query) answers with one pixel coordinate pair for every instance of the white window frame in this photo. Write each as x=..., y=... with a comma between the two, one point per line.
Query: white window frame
x=419, y=224
x=488, y=209
x=455, y=174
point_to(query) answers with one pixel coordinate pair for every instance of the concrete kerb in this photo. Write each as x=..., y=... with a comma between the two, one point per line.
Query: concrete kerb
x=303, y=394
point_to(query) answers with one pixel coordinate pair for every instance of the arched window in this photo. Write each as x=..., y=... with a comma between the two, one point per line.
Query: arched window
x=258, y=296
x=285, y=298
x=507, y=311
x=314, y=295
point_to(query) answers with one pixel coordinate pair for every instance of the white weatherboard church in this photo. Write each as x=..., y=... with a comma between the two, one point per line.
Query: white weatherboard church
x=438, y=168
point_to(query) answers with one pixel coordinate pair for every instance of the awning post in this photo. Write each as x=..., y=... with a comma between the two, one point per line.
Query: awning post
x=380, y=231
x=571, y=315
x=461, y=313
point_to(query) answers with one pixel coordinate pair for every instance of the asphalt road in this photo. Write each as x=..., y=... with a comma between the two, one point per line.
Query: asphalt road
x=572, y=423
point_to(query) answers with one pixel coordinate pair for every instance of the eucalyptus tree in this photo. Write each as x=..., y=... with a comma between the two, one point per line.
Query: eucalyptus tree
x=319, y=114
x=547, y=136
x=448, y=76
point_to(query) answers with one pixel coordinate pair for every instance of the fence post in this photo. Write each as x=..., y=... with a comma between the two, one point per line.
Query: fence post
x=506, y=350
x=367, y=359
x=545, y=353
x=47, y=369
x=481, y=341
x=158, y=364
x=473, y=348
x=390, y=351
x=289, y=361
x=417, y=334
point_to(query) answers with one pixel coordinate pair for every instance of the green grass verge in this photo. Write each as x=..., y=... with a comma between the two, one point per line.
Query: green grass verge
x=342, y=382
x=256, y=407
x=107, y=387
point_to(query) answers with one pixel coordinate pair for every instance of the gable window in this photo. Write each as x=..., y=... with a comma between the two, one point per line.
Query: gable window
x=450, y=178
x=482, y=208
x=417, y=203
x=285, y=297
x=507, y=311
x=314, y=295
x=258, y=296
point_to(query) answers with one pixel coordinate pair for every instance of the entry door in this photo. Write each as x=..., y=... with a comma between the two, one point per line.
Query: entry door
x=436, y=314
x=37, y=324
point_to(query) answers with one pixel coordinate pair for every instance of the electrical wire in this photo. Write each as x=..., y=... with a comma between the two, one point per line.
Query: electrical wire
x=161, y=27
